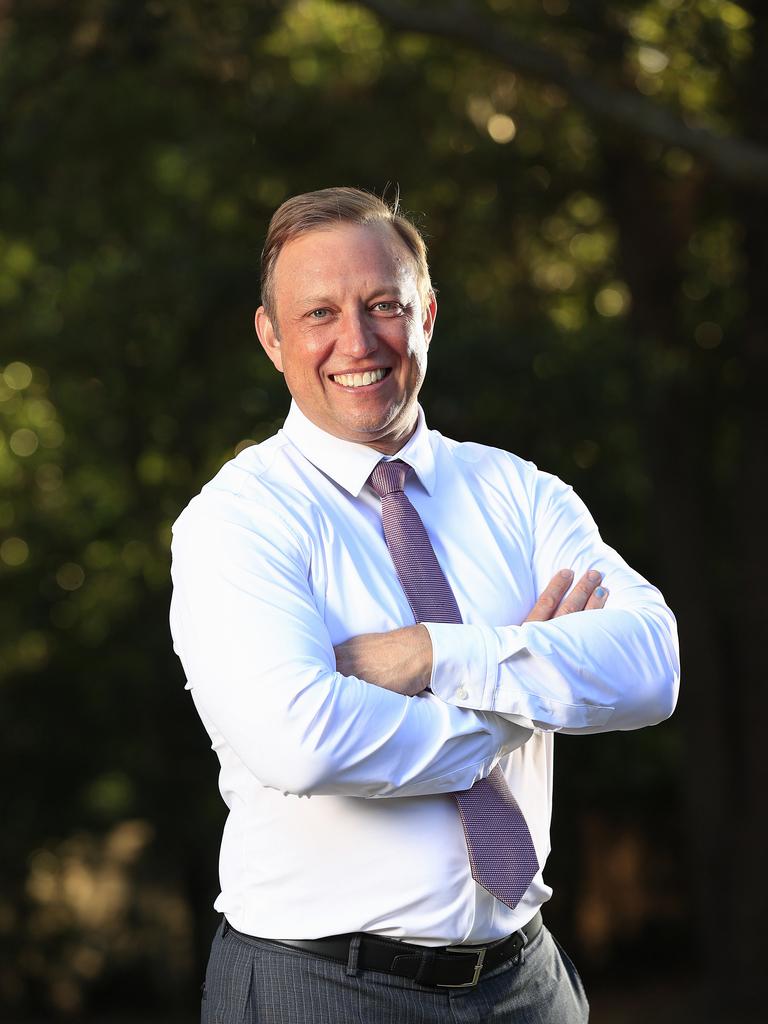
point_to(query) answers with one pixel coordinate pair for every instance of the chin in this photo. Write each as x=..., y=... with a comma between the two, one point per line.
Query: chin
x=373, y=429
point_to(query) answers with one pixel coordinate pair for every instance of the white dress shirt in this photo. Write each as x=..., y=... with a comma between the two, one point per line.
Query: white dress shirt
x=340, y=817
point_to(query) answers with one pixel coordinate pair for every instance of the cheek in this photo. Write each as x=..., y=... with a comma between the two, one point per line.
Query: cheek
x=304, y=360
x=416, y=354
x=406, y=340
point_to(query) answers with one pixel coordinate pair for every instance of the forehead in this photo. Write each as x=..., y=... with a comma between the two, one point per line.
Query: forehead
x=344, y=256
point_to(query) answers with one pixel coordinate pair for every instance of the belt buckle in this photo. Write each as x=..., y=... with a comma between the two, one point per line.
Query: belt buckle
x=480, y=953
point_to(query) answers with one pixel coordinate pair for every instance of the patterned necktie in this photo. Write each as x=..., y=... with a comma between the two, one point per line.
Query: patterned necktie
x=500, y=848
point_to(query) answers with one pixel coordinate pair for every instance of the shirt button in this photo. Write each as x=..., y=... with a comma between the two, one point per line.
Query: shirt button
x=461, y=693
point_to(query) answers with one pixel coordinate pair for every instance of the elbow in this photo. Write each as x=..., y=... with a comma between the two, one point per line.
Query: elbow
x=668, y=679
x=304, y=768
x=311, y=772
x=663, y=680
x=672, y=689
x=302, y=773
x=659, y=701
x=665, y=702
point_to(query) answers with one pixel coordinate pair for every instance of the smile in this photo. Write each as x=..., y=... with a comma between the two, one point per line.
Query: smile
x=359, y=380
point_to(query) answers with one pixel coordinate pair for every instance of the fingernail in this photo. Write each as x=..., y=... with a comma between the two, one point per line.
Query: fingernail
x=566, y=573
x=601, y=592
x=593, y=574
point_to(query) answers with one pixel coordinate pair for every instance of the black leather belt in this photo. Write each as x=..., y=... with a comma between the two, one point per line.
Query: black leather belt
x=441, y=966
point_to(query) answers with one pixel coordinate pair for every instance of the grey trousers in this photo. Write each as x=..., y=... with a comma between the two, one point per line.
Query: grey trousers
x=250, y=981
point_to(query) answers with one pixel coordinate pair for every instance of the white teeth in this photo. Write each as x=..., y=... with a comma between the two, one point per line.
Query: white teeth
x=358, y=380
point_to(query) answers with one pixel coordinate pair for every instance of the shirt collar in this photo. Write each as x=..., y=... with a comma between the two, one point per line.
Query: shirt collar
x=350, y=464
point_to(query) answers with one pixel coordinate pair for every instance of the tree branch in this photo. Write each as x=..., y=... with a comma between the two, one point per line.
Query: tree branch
x=735, y=160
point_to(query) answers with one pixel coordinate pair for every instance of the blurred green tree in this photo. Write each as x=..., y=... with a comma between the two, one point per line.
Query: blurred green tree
x=592, y=181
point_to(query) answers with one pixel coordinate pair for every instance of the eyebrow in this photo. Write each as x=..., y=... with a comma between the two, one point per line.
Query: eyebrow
x=322, y=299
x=311, y=300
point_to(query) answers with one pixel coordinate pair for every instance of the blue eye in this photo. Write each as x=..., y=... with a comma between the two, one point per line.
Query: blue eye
x=318, y=314
x=387, y=306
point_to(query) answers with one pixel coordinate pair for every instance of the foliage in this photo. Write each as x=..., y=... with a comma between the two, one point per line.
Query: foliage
x=595, y=295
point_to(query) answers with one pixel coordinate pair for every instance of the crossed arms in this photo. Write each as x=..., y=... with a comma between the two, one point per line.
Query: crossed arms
x=401, y=660
x=304, y=718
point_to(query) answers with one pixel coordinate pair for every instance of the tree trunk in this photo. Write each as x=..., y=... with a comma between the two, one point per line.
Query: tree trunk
x=674, y=410
x=743, y=954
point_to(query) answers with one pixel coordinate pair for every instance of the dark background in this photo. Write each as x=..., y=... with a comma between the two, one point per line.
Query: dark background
x=592, y=179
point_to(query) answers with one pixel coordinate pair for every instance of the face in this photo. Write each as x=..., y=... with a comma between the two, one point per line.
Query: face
x=351, y=332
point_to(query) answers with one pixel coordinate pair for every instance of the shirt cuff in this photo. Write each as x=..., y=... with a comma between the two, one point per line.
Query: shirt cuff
x=511, y=671
x=531, y=683
x=464, y=664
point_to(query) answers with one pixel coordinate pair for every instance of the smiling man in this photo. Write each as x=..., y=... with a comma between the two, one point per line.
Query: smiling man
x=352, y=338
x=381, y=632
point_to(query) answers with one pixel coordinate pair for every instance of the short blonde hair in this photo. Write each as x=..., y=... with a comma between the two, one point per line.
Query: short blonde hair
x=328, y=206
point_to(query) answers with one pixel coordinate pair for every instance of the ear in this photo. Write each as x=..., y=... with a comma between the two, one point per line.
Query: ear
x=268, y=337
x=430, y=315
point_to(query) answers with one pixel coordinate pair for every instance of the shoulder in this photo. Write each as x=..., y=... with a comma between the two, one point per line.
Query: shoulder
x=482, y=460
x=506, y=474
x=252, y=495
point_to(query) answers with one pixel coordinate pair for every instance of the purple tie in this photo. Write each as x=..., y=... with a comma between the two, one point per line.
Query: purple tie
x=500, y=848
x=501, y=851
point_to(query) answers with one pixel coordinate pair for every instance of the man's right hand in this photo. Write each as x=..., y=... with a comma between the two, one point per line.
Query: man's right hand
x=555, y=599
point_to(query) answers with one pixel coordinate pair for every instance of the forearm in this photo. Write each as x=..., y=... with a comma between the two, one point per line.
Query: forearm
x=399, y=660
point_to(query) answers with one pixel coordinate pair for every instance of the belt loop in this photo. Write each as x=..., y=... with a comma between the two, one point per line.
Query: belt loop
x=354, y=952
x=428, y=957
x=520, y=958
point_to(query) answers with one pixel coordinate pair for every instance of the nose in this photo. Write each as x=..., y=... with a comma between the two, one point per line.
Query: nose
x=356, y=338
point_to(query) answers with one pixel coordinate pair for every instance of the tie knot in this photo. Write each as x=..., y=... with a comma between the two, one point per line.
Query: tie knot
x=388, y=477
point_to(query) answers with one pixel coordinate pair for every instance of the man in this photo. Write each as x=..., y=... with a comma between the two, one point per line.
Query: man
x=381, y=650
